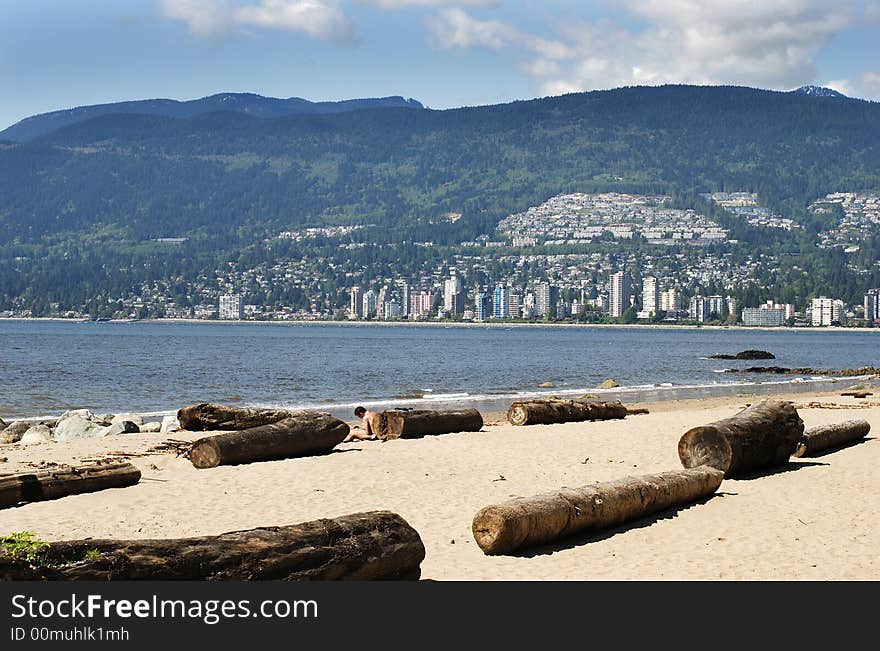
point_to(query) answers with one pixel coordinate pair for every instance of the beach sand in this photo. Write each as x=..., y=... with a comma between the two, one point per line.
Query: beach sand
x=817, y=518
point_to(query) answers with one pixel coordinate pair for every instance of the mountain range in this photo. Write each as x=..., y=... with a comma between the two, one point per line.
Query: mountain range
x=81, y=207
x=248, y=103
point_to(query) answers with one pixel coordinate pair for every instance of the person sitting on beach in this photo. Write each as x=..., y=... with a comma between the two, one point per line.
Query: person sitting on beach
x=368, y=434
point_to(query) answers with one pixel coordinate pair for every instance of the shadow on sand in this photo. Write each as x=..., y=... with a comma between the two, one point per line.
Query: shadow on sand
x=838, y=448
x=791, y=466
x=595, y=536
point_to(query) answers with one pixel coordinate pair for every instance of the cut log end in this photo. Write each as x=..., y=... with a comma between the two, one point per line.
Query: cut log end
x=517, y=414
x=705, y=446
x=494, y=531
x=205, y=453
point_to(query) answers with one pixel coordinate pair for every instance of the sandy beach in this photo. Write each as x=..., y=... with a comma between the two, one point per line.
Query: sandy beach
x=817, y=518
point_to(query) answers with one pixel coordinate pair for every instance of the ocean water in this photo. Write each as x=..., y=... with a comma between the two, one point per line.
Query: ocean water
x=153, y=367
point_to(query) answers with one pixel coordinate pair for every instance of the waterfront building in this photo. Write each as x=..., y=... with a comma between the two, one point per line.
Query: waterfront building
x=670, y=301
x=825, y=311
x=368, y=311
x=763, y=316
x=650, y=296
x=546, y=297
x=501, y=303
x=453, y=295
x=231, y=307
x=481, y=306
x=515, y=309
x=356, y=305
x=621, y=293
x=872, y=305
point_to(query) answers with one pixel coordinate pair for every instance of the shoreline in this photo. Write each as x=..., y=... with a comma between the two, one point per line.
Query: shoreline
x=451, y=324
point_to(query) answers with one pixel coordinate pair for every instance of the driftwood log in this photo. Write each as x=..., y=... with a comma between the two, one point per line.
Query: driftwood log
x=545, y=412
x=66, y=480
x=303, y=433
x=209, y=417
x=362, y=546
x=529, y=521
x=825, y=437
x=857, y=394
x=763, y=435
x=399, y=424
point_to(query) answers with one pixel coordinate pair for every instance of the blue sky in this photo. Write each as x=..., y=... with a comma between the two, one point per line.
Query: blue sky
x=60, y=53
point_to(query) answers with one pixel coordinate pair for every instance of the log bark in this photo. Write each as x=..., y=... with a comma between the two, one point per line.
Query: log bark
x=545, y=412
x=206, y=417
x=361, y=546
x=308, y=432
x=825, y=437
x=530, y=521
x=763, y=435
x=397, y=424
x=52, y=484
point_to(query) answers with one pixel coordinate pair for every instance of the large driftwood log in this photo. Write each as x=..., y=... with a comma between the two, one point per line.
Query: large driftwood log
x=67, y=480
x=545, y=412
x=304, y=433
x=206, y=417
x=398, y=424
x=361, y=546
x=530, y=521
x=825, y=437
x=763, y=435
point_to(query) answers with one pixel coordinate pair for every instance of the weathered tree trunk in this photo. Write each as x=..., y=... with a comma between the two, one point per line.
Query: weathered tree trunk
x=545, y=412
x=52, y=484
x=857, y=394
x=530, y=521
x=825, y=437
x=397, y=424
x=763, y=435
x=207, y=417
x=304, y=433
x=361, y=546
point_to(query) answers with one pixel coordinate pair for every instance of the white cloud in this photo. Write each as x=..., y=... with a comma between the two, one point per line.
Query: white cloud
x=455, y=28
x=841, y=86
x=770, y=44
x=204, y=17
x=322, y=19
x=403, y=4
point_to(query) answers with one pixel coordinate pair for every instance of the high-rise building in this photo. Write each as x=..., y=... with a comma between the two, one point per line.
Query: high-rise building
x=392, y=309
x=825, y=311
x=231, y=307
x=699, y=308
x=670, y=300
x=872, y=305
x=546, y=297
x=356, y=305
x=453, y=294
x=380, y=302
x=527, y=306
x=421, y=305
x=515, y=311
x=501, y=303
x=621, y=293
x=481, y=305
x=368, y=310
x=650, y=295
x=716, y=306
x=404, y=298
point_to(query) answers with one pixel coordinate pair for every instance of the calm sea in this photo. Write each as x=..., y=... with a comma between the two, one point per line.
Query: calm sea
x=152, y=367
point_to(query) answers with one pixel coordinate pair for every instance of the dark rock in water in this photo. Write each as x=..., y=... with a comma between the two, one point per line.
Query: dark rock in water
x=806, y=370
x=745, y=354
